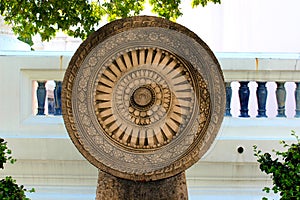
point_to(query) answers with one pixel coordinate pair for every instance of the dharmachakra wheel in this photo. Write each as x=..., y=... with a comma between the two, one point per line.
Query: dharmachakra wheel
x=143, y=98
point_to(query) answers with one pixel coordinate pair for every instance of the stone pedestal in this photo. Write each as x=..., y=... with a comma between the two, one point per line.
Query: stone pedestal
x=113, y=188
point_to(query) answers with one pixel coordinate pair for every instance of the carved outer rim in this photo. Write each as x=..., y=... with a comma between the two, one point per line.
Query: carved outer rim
x=216, y=90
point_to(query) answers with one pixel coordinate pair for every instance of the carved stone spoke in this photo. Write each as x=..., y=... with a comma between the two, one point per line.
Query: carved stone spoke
x=130, y=100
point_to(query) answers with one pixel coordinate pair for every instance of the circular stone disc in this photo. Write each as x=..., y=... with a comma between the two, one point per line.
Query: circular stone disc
x=143, y=98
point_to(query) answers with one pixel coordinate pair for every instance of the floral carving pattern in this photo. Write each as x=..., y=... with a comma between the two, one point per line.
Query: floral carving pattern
x=111, y=70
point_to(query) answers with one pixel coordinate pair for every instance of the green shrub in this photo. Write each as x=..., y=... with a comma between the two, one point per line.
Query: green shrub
x=9, y=189
x=284, y=169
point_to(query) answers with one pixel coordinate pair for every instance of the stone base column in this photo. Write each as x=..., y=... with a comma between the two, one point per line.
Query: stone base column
x=113, y=188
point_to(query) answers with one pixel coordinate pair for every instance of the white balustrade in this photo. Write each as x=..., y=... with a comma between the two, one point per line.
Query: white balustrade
x=48, y=161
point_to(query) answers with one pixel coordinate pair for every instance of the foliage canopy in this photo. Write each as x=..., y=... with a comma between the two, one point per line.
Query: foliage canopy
x=9, y=189
x=79, y=18
x=285, y=169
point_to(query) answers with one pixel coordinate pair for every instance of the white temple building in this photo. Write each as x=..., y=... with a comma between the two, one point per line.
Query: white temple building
x=257, y=44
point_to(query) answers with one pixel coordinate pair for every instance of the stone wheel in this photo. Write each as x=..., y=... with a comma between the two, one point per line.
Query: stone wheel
x=143, y=98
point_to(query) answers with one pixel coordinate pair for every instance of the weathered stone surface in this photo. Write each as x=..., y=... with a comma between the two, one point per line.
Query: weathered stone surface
x=113, y=188
x=143, y=98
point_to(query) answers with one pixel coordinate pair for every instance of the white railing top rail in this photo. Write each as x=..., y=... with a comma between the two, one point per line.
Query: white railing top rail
x=236, y=66
x=221, y=55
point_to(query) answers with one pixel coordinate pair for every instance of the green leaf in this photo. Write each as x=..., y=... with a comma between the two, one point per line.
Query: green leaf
x=79, y=18
x=284, y=169
x=9, y=189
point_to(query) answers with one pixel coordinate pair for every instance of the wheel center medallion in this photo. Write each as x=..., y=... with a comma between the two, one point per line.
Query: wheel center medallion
x=143, y=96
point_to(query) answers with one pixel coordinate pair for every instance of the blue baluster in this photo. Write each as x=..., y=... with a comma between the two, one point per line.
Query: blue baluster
x=228, y=99
x=57, y=98
x=41, y=97
x=280, y=96
x=50, y=105
x=261, y=95
x=244, y=94
x=297, y=98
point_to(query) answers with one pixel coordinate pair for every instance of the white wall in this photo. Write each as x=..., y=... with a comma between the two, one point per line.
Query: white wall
x=49, y=162
x=232, y=26
x=246, y=25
